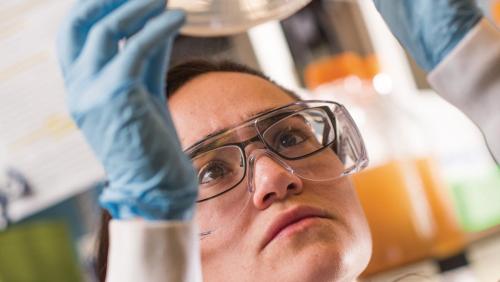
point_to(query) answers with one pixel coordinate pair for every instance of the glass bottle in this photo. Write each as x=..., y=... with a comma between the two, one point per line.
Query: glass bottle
x=408, y=211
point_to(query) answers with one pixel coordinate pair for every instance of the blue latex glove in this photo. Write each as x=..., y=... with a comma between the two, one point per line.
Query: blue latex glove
x=117, y=100
x=429, y=29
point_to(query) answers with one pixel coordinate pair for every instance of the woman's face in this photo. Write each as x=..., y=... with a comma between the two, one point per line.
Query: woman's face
x=271, y=239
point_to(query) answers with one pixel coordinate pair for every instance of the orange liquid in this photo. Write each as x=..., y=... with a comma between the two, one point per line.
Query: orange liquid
x=495, y=11
x=394, y=216
x=449, y=238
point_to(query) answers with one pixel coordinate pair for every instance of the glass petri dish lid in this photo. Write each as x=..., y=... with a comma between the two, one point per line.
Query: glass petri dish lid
x=207, y=18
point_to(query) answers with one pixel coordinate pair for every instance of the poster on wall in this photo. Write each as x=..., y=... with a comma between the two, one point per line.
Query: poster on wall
x=38, y=140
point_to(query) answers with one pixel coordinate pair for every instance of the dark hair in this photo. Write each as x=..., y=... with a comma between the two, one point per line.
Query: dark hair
x=177, y=77
x=101, y=260
x=185, y=72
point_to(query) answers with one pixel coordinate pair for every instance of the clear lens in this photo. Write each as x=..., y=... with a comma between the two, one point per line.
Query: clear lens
x=300, y=134
x=220, y=213
x=349, y=145
x=218, y=171
x=319, y=142
x=306, y=141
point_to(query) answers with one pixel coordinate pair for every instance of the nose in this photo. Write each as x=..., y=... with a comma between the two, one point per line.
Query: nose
x=272, y=181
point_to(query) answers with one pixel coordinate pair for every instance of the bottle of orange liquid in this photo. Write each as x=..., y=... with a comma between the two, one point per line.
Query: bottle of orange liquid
x=398, y=221
x=449, y=238
x=495, y=11
x=409, y=213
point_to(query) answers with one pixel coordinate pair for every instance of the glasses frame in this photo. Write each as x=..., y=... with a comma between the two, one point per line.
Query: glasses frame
x=196, y=149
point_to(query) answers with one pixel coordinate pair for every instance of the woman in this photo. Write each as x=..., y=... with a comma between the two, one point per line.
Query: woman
x=333, y=244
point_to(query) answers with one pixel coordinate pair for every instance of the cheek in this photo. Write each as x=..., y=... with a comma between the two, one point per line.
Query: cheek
x=227, y=218
x=351, y=211
x=337, y=196
x=340, y=198
x=344, y=203
x=225, y=255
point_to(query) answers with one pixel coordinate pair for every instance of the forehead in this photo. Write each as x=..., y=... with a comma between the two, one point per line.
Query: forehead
x=219, y=100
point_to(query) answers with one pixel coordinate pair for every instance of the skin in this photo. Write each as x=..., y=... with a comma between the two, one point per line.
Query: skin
x=326, y=249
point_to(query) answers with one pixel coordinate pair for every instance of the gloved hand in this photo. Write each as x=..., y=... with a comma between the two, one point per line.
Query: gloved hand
x=117, y=100
x=429, y=29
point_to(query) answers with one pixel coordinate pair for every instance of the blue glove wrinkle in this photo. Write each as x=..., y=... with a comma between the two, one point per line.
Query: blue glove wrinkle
x=429, y=29
x=76, y=26
x=131, y=17
x=155, y=83
x=140, y=48
x=154, y=203
x=122, y=23
x=141, y=170
x=465, y=19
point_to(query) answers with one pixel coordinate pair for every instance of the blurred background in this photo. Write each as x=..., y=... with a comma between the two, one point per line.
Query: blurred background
x=431, y=192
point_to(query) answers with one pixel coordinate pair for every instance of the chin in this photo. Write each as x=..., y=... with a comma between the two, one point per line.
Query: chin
x=318, y=263
x=317, y=257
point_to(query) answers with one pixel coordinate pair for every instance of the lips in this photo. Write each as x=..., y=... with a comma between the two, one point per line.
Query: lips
x=289, y=217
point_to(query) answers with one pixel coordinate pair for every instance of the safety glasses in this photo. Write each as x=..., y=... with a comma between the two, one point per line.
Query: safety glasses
x=314, y=140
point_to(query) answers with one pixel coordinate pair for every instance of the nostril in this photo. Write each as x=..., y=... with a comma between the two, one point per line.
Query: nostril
x=268, y=196
x=291, y=186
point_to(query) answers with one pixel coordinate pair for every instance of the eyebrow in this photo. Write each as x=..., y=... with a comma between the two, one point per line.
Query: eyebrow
x=219, y=131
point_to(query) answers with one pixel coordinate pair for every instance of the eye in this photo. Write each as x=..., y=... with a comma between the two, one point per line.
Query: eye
x=213, y=171
x=290, y=138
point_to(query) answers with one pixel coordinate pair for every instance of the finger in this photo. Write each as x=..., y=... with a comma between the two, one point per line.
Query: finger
x=156, y=69
x=133, y=60
x=102, y=43
x=76, y=26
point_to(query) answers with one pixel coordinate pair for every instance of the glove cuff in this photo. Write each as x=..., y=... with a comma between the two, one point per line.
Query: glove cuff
x=157, y=204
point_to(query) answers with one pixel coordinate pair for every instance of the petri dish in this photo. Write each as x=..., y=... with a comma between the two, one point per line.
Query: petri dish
x=207, y=18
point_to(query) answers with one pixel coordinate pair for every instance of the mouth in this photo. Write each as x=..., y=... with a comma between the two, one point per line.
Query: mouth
x=295, y=217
